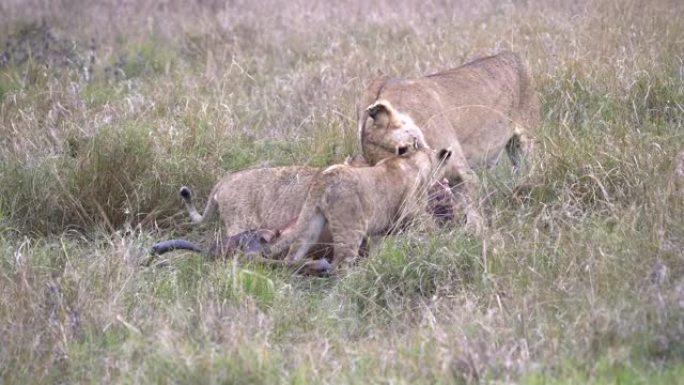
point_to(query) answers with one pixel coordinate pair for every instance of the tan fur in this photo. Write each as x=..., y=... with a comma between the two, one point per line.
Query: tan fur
x=478, y=110
x=355, y=202
x=263, y=198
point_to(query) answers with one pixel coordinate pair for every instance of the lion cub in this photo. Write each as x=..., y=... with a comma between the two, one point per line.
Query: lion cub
x=263, y=198
x=353, y=202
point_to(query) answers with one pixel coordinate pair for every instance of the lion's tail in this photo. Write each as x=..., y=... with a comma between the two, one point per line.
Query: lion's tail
x=195, y=217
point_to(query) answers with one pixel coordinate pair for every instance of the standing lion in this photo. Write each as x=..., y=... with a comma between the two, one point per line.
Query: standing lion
x=478, y=110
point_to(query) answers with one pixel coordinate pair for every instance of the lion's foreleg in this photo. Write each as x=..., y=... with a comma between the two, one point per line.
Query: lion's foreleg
x=466, y=186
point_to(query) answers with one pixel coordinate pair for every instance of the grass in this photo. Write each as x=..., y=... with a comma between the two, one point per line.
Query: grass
x=107, y=108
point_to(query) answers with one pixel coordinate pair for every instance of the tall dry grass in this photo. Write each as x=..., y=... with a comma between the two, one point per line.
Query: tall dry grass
x=107, y=107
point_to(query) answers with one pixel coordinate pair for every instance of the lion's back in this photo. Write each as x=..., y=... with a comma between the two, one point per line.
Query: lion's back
x=264, y=197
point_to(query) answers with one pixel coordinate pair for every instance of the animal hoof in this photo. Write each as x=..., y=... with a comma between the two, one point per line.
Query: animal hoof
x=320, y=267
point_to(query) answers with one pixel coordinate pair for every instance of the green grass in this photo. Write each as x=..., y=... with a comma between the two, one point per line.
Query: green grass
x=607, y=372
x=579, y=277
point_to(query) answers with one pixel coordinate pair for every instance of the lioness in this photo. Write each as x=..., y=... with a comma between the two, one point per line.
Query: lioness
x=355, y=202
x=477, y=109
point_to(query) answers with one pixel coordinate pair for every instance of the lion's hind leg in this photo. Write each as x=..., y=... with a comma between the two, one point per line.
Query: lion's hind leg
x=465, y=186
x=310, y=237
x=521, y=145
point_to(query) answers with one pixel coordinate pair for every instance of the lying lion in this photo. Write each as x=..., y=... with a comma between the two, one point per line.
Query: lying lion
x=354, y=202
x=478, y=110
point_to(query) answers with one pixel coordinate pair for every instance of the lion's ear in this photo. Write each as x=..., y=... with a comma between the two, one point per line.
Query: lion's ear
x=444, y=154
x=381, y=112
x=376, y=109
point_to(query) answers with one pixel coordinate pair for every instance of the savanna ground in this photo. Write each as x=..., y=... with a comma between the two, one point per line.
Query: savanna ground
x=107, y=107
